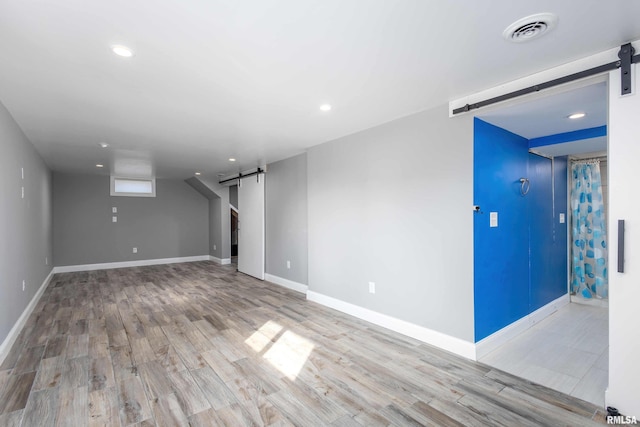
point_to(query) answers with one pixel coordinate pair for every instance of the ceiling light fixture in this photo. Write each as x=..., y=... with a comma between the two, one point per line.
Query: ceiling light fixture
x=99, y=165
x=232, y=159
x=325, y=107
x=103, y=145
x=122, y=51
x=198, y=174
x=576, y=116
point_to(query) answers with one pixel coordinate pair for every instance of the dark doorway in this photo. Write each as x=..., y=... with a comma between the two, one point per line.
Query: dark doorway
x=234, y=233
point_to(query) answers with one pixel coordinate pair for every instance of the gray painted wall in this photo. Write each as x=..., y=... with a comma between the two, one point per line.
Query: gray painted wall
x=25, y=224
x=215, y=228
x=219, y=213
x=215, y=215
x=175, y=223
x=286, y=218
x=393, y=205
x=233, y=196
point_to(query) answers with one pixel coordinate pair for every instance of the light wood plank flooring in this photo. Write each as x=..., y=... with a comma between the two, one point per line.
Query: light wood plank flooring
x=200, y=344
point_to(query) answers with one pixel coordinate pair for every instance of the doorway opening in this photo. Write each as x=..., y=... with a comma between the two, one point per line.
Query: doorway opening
x=234, y=235
x=233, y=207
x=524, y=316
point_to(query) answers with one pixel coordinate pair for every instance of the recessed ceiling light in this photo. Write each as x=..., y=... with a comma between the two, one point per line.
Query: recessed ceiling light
x=325, y=107
x=232, y=159
x=198, y=174
x=576, y=116
x=122, y=51
x=103, y=145
x=220, y=175
x=99, y=165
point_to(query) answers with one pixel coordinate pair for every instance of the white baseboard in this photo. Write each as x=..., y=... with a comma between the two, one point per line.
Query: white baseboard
x=125, y=264
x=221, y=261
x=446, y=342
x=290, y=284
x=498, y=338
x=8, y=342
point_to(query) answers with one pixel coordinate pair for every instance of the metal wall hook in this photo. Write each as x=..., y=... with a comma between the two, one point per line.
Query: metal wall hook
x=524, y=186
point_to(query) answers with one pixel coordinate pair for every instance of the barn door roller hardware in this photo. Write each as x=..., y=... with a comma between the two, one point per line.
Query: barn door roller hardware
x=626, y=58
x=626, y=55
x=240, y=175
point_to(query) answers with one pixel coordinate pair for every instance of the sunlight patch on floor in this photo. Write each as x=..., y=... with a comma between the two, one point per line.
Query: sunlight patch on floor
x=289, y=354
x=285, y=350
x=259, y=340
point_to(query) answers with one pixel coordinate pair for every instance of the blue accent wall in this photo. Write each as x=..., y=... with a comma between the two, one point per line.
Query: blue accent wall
x=547, y=237
x=575, y=135
x=501, y=254
x=521, y=265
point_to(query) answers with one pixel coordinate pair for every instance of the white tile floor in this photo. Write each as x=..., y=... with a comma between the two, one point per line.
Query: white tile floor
x=568, y=351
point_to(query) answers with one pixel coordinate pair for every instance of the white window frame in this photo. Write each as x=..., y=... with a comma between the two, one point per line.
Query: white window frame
x=113, y=186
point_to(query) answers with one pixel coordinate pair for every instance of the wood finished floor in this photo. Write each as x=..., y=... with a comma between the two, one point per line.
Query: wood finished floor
x=200, y=344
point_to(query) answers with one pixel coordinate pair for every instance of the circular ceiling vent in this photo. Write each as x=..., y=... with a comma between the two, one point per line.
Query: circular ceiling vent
x=530, y=27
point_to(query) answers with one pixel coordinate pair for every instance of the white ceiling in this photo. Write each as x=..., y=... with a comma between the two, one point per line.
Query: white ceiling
x=549, y=115
x=577, y=148
x=217, y=79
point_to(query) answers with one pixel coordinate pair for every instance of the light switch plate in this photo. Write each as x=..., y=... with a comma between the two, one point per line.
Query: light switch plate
x=114, y=219
x=561, y=218
x=493, y=219
x=114, y=209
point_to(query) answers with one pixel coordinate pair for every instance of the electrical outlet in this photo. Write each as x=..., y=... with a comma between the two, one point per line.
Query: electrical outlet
x=135, y=250
x=214, y=247
x=114, y=219
x=288, y=264
x=23, y=192
x=24, y=285
x=114, y=210
x=372, y=287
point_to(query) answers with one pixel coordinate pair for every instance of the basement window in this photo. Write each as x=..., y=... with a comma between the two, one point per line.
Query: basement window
x=133, y=187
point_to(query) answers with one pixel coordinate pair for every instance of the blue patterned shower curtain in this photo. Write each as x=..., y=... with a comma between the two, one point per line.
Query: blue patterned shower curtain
x=589, y=247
